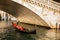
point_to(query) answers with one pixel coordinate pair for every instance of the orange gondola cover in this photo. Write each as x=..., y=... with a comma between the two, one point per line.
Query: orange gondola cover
x=18, y=27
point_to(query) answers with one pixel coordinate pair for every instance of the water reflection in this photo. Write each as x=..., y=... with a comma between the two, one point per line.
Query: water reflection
x=48, y=34
x=8, y=32
x=53, y=34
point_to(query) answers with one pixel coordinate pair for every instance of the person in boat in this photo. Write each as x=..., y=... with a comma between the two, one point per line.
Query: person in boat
x=21, y=29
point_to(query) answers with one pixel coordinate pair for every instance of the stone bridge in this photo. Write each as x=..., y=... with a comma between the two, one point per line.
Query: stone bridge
x=44, y=13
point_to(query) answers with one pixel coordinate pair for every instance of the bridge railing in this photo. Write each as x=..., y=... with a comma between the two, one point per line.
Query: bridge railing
x=52, y=5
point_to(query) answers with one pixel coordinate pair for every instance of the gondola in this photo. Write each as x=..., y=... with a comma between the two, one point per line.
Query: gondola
x=23, y=30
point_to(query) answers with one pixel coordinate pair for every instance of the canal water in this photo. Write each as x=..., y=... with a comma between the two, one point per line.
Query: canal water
x=47, y=34
x=8, y=32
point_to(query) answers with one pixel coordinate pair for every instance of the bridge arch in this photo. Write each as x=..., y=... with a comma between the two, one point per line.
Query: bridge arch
x=18, y=10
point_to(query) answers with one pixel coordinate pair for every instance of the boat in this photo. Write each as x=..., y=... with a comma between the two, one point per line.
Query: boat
x=23, y=30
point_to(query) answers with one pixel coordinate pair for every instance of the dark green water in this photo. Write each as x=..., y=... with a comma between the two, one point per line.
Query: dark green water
x=8, y=32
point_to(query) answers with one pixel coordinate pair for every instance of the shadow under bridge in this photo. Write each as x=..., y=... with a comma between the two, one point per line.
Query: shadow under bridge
x=22, y=13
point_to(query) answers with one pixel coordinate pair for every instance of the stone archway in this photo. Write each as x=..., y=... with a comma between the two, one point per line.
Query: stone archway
x=22, y=13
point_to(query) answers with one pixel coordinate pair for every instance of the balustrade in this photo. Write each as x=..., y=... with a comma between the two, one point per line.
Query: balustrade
x=53, y=6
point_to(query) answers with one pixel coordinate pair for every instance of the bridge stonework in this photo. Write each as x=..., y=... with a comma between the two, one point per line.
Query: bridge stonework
x=48, y=10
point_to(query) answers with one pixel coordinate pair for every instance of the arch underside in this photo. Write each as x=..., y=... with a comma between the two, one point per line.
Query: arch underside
x=22, y=13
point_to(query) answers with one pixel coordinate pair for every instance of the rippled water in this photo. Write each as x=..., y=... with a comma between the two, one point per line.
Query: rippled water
x=47, y=34
x=8, y=32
